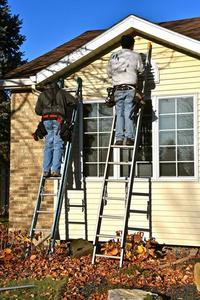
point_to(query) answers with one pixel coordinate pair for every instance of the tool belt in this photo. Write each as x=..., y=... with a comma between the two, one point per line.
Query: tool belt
x=110, y=98
x=40, y=132
x=123, y=87
x=52, y=117
x=66, y=131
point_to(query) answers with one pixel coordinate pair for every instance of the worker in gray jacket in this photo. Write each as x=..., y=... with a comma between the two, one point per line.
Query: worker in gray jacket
x=53, y=105
x=124, y=67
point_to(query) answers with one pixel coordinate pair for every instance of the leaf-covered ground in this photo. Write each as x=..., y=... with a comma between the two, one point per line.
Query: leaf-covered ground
x=164, y=270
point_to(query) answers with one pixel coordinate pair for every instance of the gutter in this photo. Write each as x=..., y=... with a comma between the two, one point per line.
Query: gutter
x=21, y=83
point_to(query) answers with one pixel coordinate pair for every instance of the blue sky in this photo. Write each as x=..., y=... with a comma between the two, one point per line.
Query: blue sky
x=48, y=24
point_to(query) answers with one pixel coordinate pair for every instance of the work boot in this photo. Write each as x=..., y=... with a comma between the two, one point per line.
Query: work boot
x=47, y=174
x=129, y=142
x=117, y=143
x=55, y=174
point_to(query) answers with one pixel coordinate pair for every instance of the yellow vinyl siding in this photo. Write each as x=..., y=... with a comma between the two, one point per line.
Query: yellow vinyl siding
x=175, y=204
x=179, y=73
x=113, y=207
x=175, y=211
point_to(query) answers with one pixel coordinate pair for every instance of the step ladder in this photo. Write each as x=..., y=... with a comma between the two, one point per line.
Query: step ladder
x=128, y=183
x=61, y=182
x=80, y=205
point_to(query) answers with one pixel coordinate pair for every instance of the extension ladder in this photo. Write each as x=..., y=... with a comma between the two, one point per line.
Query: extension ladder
x=128, y=181
x=61, y=183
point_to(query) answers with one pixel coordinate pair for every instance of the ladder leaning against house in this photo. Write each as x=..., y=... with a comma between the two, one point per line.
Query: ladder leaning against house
x=128, y=181
x=61, y=182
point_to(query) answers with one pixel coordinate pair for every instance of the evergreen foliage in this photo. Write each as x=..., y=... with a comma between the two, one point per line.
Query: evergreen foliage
x=10, y=58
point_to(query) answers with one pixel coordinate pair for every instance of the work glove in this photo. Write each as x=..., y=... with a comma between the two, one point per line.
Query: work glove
x=35, y=137
x=138, y=98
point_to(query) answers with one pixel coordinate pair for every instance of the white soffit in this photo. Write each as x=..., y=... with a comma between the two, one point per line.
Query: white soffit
x=16, y=83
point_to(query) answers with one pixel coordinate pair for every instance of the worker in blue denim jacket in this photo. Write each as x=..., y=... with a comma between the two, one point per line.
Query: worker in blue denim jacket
x=124, y=67
x=53, y=104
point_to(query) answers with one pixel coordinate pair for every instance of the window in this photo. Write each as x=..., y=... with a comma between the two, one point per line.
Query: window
x=144, y=158
x=174, y=138
x=97, y=128
x=176, y=134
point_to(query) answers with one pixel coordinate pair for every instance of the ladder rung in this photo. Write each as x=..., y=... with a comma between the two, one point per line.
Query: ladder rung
x=138, y=211
x=117, y=180
x=114, y=198
x=112, y=217
x=122, y=163
x=139, y=229
x=45, y=212
x=141, y=194
x=41, y=229
x=110, y=236
x=75, y=205
x=109, y=256
x=45, y=194
x=69, y=89
x=74, y=222
x=52, y=178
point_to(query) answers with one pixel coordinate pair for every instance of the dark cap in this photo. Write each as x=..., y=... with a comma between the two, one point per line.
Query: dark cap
x=127, y=41
x=48, y=83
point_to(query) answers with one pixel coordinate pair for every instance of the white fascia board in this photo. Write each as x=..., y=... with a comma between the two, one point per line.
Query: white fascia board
x=16, y=83
x=167, y=35
x=131, y=21
x=88, y=48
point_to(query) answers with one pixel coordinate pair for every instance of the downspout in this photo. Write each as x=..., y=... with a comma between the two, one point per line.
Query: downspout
x=34, y=90
x=33, y=85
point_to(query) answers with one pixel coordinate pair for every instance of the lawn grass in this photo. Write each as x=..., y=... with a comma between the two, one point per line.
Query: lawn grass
x=44, y=288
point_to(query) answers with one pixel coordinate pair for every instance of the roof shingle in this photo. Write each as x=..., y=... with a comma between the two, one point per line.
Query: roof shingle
x=34, y=66
x=187, y=27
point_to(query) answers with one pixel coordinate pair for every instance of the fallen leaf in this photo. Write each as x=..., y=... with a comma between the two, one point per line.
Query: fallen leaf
x=7, y=250
x=114, y=252
x=32, y=257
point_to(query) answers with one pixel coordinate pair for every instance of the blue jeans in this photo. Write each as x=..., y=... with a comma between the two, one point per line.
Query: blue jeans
x=124, y=105
x=54, y=147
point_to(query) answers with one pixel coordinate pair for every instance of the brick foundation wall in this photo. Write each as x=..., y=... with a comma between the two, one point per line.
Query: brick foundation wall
x=25, y=162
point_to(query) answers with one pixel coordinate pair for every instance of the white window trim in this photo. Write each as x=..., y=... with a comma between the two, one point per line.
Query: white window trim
x=155, y=140
x=94, y=178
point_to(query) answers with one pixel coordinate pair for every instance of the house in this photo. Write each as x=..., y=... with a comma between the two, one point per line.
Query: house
x=170, y=144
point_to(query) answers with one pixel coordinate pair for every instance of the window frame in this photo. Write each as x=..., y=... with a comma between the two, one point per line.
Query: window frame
x=155, y=139
x=116, y=152
x=94, y=101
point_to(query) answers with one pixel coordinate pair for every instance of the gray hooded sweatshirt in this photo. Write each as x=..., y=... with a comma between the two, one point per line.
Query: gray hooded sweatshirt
x=124, y=66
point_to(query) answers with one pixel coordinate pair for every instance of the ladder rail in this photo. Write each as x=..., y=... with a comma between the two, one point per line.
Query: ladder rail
x=103, y=190
x=135, y=152
x=37, y=207
x=65, y=169
x=85, y=208
x=149, y=208
x=132, y=176
x=62, y=180
x=128, y=181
